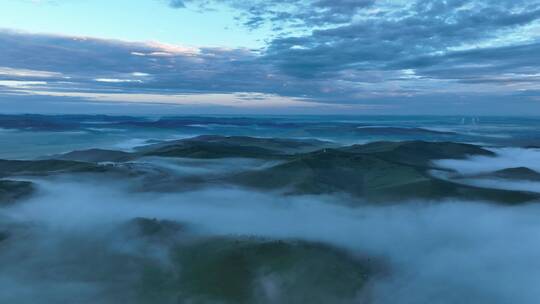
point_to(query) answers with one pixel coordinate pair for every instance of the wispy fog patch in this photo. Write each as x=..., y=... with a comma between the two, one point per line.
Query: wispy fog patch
x=191, y=166
x=447, y=252
x=490, y=182
x=505, y=184
x=105, y=130
x=3, y=130
x=129, y=145
x=505, y=158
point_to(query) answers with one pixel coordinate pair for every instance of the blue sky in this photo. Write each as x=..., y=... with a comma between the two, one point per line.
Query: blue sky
x=147, y=20
x=274, y=56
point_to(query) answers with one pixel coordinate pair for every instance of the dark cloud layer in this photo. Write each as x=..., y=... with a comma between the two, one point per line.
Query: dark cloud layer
x=381, y=52
x=108, y=66
x=415, y=39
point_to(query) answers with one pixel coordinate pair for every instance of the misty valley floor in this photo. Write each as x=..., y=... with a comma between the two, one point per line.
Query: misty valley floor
x=104, y=209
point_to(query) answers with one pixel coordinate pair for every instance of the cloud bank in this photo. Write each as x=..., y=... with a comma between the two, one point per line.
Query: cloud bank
x=446, y=252
x=438, y=56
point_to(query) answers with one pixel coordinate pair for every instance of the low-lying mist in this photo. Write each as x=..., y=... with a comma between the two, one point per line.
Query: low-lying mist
x=475, y=167
x=505, y=158
x=69, y=244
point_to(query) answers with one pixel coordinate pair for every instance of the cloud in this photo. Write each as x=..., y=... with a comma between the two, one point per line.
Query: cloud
x=237, y=100
x=177, y=4
x=380, y=53
x=453, y=251
x=460, y=44
x=136, y=66
x=505, y=158
x=88, y=65
x=282, y=13
x=415, y=37
x=9, y=72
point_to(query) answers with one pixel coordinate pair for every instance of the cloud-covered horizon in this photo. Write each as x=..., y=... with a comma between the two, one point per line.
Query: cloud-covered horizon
x=432, y=56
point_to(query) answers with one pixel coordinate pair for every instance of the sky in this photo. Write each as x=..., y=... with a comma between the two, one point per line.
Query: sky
x=447, y=57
